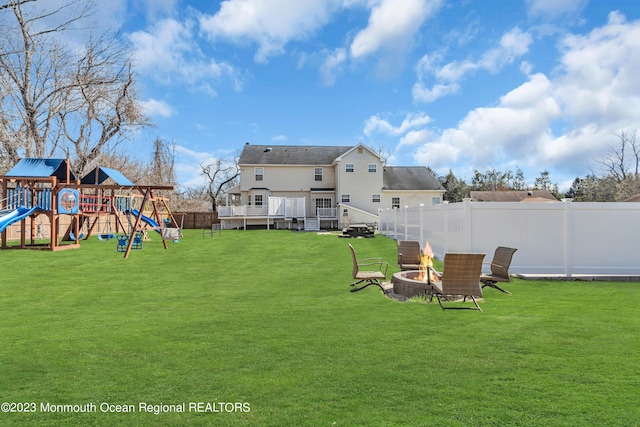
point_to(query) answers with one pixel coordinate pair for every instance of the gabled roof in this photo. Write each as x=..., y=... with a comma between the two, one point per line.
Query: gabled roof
x=290, y=154
x=409, y=178
x=513, y=196
x=41, y=168
x=360, y=147
x=101, y=174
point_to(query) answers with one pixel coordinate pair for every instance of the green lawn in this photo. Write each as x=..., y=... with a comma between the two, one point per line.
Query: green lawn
x=265, y=319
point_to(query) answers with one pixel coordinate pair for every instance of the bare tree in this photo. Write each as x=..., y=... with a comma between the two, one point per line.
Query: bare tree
x=192, y=199
x=221, y=175
x=102, y=108
x=623, y=161
x=163, y=165
x=54, y=98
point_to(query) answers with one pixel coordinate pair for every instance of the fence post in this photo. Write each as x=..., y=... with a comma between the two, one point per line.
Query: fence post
x=406, y=223
x=423, y=238
x=467, y=223
x=568, y=237
x=395, y=223
x=445, y=226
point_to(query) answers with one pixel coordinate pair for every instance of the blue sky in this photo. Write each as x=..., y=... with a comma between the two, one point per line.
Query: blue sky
x=449, y=84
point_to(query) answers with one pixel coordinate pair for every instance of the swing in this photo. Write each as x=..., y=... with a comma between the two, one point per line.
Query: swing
x=73, y=236
x=123, y=239
x=123, y=242
x=108, y=235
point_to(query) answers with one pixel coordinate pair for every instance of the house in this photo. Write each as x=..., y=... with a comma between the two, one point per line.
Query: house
x=313, y=187
x=513, y=196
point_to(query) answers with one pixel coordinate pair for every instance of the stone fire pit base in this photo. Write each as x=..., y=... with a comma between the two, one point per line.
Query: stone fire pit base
x=405, y=284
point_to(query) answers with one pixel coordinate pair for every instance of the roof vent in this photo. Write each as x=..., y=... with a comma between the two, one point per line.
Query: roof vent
x=268, y=149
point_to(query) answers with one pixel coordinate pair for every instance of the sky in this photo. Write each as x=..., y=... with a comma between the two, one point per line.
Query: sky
x=456, y=85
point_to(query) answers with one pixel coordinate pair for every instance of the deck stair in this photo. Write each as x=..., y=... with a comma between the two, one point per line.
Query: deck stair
x=312, y=224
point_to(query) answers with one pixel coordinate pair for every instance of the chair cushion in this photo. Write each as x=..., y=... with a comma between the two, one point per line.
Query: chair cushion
x=370, y=275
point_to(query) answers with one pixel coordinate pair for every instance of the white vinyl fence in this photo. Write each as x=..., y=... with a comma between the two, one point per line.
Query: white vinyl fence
x=566, y=239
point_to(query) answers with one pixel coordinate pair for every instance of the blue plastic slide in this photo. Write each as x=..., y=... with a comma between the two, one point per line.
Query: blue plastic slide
x=16, y=216
x=146, y=219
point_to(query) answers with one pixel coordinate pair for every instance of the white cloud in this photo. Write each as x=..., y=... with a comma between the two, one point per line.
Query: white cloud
x=271, y=24
x=332, y=65
x=554, y=8
x=517, y=128
x=279, y=138
x=513, y=44
x=421, y=93
x=188, y=165
x=598, y=82
x=153, y=107
x=377, y=125
x=392, y=25
x=592, y=95
x=155, y=9
x=169, y=53
x=414, y=137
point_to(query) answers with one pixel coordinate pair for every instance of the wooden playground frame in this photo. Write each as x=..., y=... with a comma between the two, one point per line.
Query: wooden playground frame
x=95, y=201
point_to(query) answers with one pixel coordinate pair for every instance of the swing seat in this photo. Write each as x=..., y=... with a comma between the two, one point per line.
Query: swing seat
x=137, y=240
x=123, y=241
x=106, y=236
x=73, y=237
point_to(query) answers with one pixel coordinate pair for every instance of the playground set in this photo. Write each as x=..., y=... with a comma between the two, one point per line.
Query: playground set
x=47, y=187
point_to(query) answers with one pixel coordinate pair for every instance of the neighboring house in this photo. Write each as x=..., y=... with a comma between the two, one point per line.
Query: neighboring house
x=322, y=186
x=513, y=196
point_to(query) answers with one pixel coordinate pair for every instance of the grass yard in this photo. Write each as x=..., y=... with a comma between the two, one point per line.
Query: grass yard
x=265, y=319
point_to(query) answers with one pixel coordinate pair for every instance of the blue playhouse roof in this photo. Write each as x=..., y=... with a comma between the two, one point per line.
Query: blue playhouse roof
x=40, y=168
x=100, y=175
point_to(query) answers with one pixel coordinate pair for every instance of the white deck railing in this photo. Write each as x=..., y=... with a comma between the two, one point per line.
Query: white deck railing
x=276, y=207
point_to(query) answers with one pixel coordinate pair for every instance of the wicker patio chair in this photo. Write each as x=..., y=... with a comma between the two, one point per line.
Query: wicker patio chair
x=460, y=277
x=409, y=254
x=362, y=271
x=499, y=269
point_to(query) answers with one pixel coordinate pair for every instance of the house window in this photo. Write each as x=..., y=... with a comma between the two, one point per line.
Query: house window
x=372, y=168
x=345, y=212
x=323, y=202
x=257, y=199
x=350, y=167
x=395, y=203
x=375, y=198
x=345, y=198
x=323, y=207
x=435, y=200
x=318, y=174
x=249, y=199
x=259, y=174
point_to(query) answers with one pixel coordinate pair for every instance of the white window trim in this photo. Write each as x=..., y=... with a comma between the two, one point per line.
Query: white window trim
x=352, y=165
x=256, y=174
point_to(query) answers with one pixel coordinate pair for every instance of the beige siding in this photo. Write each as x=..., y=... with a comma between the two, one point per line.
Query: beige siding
x=287, y=178
x=360, y=184
x=410, y=198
